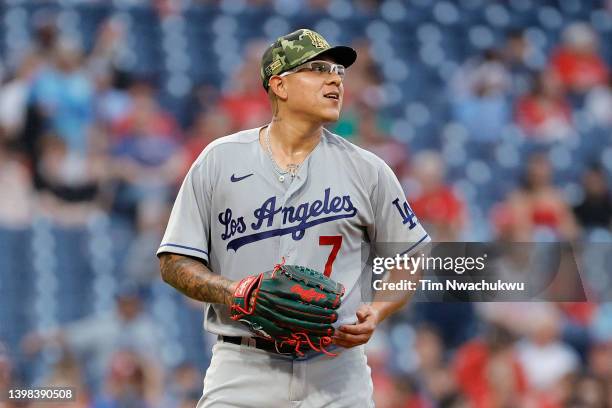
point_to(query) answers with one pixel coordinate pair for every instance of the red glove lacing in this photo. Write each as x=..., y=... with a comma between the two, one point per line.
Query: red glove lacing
x=297, y=339
x=278, y=266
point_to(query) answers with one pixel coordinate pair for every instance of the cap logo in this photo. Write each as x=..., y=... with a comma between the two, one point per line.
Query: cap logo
x=316, y=39
x=277, y=63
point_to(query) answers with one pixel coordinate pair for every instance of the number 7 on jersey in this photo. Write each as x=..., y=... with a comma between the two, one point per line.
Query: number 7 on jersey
x=336, y=242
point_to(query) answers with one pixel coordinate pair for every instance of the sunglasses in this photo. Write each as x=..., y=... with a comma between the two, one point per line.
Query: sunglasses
x=323, y=67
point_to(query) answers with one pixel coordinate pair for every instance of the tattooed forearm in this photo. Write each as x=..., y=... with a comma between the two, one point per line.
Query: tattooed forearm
x=194, y=279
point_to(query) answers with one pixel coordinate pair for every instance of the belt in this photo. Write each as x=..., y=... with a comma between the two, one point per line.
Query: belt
x=270, y=346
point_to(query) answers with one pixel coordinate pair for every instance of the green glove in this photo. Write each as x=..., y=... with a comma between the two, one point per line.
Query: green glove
x=290, y=305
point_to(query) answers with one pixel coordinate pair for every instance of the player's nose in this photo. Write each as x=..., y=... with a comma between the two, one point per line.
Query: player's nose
x=334, y=79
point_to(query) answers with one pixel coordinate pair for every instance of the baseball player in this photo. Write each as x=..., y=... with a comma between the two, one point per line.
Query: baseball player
x=288, y=190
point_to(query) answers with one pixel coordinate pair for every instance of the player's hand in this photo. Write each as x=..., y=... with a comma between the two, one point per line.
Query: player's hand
x=359, y=333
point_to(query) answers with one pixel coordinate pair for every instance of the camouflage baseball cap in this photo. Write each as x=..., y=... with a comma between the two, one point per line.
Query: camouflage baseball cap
x=300, y=46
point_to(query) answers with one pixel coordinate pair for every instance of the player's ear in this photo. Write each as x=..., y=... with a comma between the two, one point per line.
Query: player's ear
x=278, y=87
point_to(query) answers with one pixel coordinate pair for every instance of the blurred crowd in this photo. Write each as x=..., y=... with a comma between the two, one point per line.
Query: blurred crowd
x=80, y=137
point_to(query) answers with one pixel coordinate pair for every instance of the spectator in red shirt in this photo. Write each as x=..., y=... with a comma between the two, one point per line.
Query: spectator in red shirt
x=488, y=371
x=207, y=127
x=544, y=113
x=145, y=112
x=246, y=102
x=577, y=62
x=435, y=202
x=536, y=207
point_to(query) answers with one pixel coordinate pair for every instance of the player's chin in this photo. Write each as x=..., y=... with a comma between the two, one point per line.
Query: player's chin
x=330, y=115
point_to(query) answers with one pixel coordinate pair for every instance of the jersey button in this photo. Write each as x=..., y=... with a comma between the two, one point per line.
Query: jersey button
x=281, y=178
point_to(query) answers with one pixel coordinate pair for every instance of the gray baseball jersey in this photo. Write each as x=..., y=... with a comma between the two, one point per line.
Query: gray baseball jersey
x=237, y=213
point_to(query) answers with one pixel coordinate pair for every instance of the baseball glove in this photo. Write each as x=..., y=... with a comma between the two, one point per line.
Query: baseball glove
x=290, y=305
